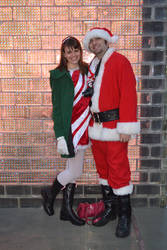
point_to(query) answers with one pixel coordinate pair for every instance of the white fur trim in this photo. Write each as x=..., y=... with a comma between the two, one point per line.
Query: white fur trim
x=98, y=33
x=124, y=190
x=128, y=128
x=98, y=80
x=97, y=132
x=103, y=182
x=114, y=39
x=82, y=147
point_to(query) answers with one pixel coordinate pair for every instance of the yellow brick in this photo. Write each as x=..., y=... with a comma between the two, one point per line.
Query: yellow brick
x=96, y=2
x=133, y=13
x=7, y=98
x=13, y=57
x=6, y=42
x=87, y=25
x=13, y=2
x=40, y=3
x=39, y=85
x=83, y=13
x=51, y=42
x=68, y=28
x=14, y=85
x=68, y=2
x=126, y=2
x=27, y=42
x=111, y=13
x=28, y=99
x=40, y=28
x=41, y=57
x=125, y=27
x=54, y=13
x=5, y=14
x=28, y=71
x=26, y=13
x=46, y=69
x=6, y=71
x=13, y=28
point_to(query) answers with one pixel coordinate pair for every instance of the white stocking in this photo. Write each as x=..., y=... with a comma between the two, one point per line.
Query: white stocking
x=74, y=168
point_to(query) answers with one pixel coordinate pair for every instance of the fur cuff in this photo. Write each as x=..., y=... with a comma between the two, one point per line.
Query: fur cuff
x=103, y=182
x=97, y=132
x=124, y=190
x=128, y=128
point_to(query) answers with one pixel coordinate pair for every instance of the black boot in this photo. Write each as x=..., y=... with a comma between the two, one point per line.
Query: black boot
x=124, y=216
x=67, y=212
x=49, y=194
x=110, y=212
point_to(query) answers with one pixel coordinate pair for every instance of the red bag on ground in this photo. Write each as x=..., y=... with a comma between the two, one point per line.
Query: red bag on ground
x=86, y=210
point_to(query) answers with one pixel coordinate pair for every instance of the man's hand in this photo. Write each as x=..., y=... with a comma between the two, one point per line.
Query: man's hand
x=124, y=137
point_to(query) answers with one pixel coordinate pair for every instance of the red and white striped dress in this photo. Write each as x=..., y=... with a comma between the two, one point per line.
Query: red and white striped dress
x=81, y=113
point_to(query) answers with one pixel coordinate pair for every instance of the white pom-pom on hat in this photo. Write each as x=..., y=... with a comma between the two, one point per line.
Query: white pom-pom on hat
x=101, y=33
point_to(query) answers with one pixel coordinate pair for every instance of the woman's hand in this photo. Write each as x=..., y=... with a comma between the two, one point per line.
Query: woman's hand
x=62, y=146
x=124, y=137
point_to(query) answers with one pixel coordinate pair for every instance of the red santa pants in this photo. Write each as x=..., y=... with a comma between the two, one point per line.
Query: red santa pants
x=112, y=162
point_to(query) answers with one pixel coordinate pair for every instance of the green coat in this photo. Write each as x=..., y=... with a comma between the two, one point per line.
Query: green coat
x=62, y=99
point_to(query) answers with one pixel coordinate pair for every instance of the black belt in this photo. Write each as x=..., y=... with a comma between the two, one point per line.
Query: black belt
x=106, y=116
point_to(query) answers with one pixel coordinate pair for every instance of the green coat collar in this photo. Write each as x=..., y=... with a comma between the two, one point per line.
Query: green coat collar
x=56, y=73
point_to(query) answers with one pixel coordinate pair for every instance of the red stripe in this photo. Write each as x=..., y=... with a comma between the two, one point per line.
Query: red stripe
x=91, y=73
x=75, y=76
x=81, y=124
x=83, y=81
x=79, y=108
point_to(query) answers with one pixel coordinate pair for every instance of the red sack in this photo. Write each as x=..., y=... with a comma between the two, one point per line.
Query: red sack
x=86, y=210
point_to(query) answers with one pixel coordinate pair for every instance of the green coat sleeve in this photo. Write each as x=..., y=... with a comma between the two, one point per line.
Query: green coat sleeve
x=56, y=113
x=62, y=101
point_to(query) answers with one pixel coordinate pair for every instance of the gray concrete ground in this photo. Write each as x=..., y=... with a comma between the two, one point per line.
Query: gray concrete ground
x=32, y=229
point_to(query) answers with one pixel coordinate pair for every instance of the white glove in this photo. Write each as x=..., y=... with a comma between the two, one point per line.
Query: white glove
x=62, y=146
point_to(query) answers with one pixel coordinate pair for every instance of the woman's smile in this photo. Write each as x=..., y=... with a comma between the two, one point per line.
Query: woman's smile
x=72, y=56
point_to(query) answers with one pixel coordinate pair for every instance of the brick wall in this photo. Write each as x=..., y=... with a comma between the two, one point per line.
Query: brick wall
x=30, y=36
x=153, y=89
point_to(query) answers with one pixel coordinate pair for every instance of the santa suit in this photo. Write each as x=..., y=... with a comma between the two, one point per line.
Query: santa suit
x=114, y=88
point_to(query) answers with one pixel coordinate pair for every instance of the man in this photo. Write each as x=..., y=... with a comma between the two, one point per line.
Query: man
x=113, y=123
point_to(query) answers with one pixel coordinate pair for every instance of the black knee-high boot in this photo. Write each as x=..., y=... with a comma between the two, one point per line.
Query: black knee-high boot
x=124, y=216
x=67, y=212
x=110, y=212
x=49, y=194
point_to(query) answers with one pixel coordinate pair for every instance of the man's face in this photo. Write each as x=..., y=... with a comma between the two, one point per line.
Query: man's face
x=98, y=46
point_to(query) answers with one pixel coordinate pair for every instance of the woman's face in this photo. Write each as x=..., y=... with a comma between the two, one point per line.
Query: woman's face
x=72, y=56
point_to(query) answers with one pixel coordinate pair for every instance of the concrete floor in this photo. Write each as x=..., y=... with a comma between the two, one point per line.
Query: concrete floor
x=32, y=229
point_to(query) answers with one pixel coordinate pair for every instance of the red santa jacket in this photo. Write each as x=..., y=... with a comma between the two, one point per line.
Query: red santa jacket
x=114, y=87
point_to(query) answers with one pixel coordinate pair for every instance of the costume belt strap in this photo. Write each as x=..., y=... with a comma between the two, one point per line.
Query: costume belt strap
x=106, y=116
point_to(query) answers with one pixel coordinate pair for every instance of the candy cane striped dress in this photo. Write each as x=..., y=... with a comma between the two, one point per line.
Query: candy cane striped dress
x=80, y=114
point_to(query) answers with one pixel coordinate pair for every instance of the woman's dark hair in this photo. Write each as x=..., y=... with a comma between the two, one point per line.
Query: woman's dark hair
x=72, y=42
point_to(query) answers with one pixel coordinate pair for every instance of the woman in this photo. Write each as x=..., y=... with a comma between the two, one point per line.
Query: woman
x=71, y=118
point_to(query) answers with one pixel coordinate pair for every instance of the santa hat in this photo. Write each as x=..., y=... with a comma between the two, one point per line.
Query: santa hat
x=101, y=33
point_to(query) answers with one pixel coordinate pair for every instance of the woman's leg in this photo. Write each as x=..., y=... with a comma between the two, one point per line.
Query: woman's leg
x=74, y=168
x=67, y=178
x=48, y=196
x=70, y=174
